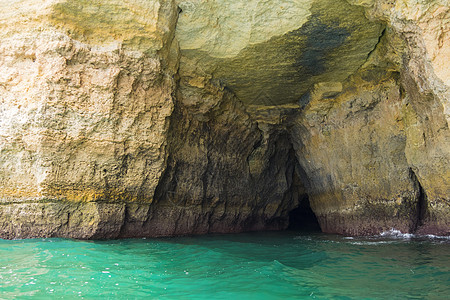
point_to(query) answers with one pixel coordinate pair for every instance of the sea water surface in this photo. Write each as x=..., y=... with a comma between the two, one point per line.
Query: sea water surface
x=276, y=265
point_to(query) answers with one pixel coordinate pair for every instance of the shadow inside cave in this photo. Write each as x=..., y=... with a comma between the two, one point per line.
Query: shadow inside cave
x=303, y=218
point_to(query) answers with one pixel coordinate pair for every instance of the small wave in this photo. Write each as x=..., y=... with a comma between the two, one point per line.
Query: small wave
x=394, y=233
x=302, y=237
x=397, y=234
x=365, y=243
x=437, y=237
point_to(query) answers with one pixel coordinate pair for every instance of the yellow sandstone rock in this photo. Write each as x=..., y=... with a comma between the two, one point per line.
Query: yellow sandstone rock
x=163, y=117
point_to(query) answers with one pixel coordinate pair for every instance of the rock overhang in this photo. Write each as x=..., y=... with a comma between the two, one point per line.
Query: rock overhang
x=324, y=41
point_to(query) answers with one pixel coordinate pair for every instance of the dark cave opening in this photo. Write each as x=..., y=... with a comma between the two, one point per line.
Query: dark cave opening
x=303, y=218
x=422, y=202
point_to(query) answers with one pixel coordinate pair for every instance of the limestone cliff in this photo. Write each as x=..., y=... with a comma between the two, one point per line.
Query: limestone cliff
x=155, y=118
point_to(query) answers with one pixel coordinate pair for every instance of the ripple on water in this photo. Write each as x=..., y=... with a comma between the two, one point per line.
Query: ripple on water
x=256, y=266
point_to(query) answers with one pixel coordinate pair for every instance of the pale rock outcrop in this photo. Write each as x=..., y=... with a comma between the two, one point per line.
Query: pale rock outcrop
x=222, y=29
x=85, y=99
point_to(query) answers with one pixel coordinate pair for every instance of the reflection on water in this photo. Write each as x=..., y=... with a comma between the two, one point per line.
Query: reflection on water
x=254, y=265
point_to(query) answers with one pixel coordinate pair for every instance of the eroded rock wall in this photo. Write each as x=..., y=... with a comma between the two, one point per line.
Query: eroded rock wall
x=83, y=120
x=352, y=146
x=159, y=118
x=377, y=153
x=225, y=173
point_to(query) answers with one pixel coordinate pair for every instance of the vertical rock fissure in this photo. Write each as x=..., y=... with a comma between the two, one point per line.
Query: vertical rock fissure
x=302, y=217
x=126, y=219
x=421, y=201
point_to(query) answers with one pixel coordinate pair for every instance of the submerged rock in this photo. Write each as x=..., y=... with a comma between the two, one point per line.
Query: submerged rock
x=158, y=118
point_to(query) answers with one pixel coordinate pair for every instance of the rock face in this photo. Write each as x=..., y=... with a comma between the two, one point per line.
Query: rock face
x=84, y=113
x=380, y=149
x=157, y=118
x=323, y=41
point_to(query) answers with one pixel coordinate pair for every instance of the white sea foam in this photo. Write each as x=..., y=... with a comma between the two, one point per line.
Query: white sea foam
x=365, y=243
x=394, y=233
x=438, y=237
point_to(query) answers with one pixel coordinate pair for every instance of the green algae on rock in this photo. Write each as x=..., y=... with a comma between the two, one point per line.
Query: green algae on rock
x=328, y=44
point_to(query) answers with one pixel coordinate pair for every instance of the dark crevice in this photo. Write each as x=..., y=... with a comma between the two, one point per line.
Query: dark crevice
x=126, y=217
x=303, y=217
x=421, y=201
x=380, y=38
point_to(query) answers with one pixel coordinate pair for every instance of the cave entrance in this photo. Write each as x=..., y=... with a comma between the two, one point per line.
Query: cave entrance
x=303, y=218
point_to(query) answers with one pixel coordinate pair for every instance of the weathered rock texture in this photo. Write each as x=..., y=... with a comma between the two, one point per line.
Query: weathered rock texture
x=259, y=58
x=377, y=154
x=85, y=103
x=156, y=118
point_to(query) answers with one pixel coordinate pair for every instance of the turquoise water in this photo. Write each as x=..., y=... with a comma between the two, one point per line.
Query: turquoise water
x=282, y=265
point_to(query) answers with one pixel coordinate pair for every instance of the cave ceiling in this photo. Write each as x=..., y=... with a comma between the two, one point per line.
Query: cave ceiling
x=273, y=52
